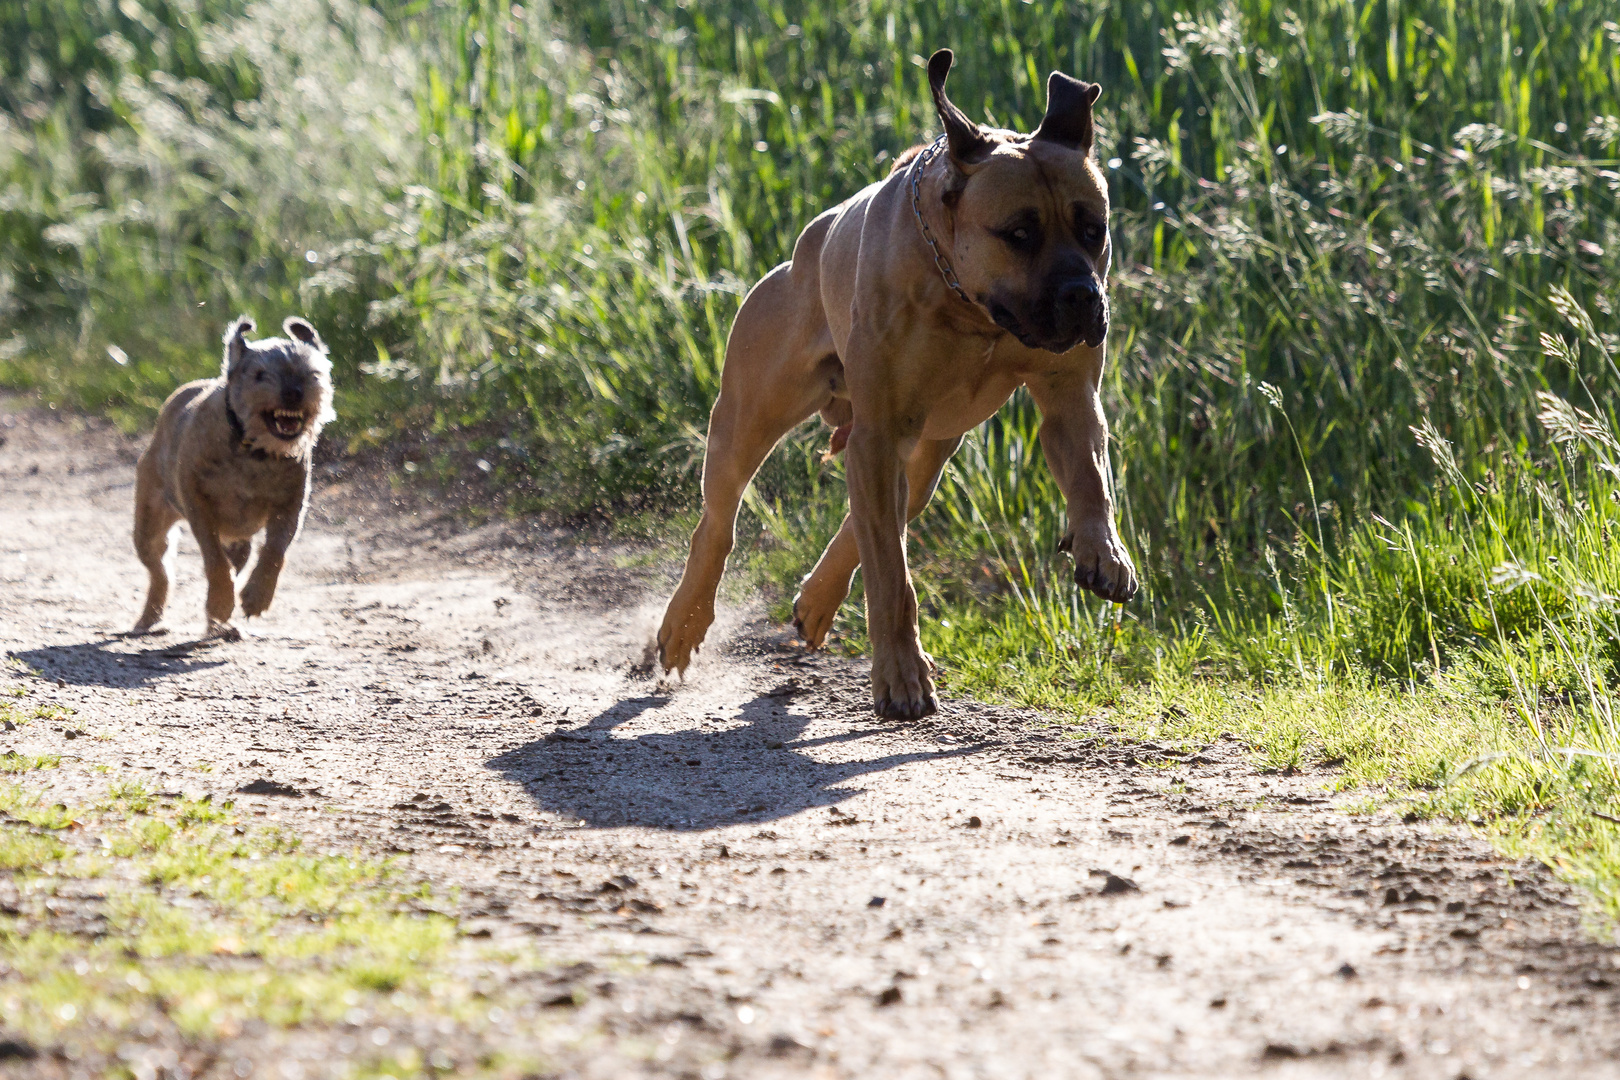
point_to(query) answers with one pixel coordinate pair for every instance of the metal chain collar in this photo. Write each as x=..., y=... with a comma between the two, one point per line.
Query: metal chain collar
x=944, y=264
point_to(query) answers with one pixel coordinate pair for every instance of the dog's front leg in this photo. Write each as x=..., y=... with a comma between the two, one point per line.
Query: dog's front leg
x=261, y=584
x=221, y=600
x=825, y=588
x=902, y=686
x=1074, y=438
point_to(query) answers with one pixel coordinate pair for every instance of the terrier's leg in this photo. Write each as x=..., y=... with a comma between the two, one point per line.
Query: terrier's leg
x=221, y=600
x=261, y=584
x=154, y=526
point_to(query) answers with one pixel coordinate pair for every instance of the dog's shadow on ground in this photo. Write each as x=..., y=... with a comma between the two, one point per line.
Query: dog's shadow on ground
x=696, y=779
x=118, y=661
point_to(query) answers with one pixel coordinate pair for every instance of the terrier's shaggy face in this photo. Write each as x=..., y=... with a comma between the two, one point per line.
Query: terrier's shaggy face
x=279, y=390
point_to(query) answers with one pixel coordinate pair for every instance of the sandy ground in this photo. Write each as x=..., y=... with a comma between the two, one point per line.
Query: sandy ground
x=750, y=876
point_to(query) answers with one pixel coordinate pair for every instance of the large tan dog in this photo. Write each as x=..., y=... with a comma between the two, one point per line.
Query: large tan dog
x=908, y=315
x=231, y=456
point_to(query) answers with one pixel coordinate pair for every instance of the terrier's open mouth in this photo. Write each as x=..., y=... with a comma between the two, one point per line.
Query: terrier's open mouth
x=284, y=423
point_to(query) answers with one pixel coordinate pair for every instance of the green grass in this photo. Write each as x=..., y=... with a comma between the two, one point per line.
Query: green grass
x=13, y=762
x=211, y=928
x=1362, y=372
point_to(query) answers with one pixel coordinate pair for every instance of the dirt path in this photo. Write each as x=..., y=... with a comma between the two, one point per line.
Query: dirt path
x=747, y=875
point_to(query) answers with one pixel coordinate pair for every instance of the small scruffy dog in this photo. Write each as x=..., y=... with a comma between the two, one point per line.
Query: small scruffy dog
x=232, y=456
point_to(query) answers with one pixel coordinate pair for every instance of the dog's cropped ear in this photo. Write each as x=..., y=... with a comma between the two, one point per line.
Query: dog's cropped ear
x=1068, y=112
x=301, y=330
x=967, y=143
x=236, y=340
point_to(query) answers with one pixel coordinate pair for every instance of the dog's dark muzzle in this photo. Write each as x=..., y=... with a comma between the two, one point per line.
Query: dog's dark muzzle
x=1079, y=312
x=1070, y=311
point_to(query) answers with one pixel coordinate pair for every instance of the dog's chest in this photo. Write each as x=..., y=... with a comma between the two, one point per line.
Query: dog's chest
x=965, y=394
x=246, y=491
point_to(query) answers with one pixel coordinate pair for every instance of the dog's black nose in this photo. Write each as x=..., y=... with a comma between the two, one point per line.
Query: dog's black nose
x=1079, y=292
x=292, y=395
x=1079, y=311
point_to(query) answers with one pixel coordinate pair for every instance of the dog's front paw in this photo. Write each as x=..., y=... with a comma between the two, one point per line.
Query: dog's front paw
x=145, y=628
x=1101, y=565
x=680, y=635
x=902, y=683
x=222, y=631
x=256, y=598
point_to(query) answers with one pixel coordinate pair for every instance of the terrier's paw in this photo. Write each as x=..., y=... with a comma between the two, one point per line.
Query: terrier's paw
x=1101, y=565
x=222, y=631
x=902, y=686
x=679, y=637
x=147, y=629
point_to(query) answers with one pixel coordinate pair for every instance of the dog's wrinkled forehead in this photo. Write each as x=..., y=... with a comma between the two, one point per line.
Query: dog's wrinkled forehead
x=1021, y=173
x=1049, y=173
x=282, y=357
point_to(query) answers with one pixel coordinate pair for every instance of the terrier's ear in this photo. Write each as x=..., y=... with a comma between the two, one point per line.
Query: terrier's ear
x=1068, y=112
x=967, y=143
x=236, y=340
x=294, y=327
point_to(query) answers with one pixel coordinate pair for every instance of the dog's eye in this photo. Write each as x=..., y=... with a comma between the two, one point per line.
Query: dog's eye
x=1095, y=234
x=261, y=377
x=1020, y=236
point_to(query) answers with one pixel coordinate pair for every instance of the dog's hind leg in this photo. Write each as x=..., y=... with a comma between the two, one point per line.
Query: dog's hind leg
x=779, y=370
x=825, y=588
x=154, y=527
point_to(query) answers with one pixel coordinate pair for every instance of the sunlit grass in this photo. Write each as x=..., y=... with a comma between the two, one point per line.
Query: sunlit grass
x=212, y=926
x=13, y=762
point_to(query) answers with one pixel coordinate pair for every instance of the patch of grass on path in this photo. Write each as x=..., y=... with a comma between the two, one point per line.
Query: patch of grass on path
x=172, y=924
x=13, y=762
x=1444, y=748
